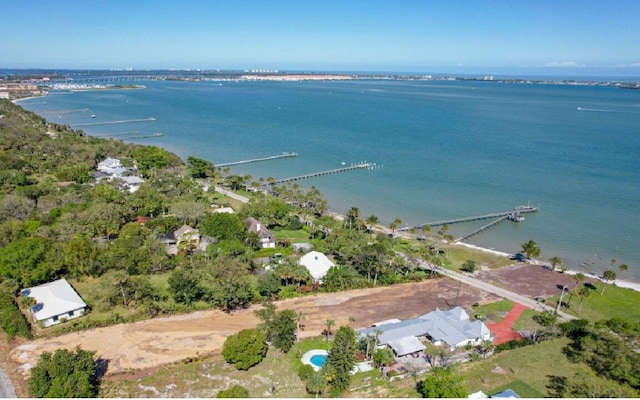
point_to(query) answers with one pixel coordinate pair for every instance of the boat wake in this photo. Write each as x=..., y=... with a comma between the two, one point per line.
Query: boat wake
x=596, y=109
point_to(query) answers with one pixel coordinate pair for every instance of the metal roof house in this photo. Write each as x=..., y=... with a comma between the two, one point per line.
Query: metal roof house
x=317, y=263
x=451, y=328
x=55, y=301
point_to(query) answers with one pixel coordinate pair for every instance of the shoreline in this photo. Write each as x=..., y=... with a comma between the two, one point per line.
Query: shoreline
x=341, y=217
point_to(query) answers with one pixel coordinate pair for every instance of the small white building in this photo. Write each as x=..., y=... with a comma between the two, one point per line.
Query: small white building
x=317, y=263
x=267, y=240
x=55, y=301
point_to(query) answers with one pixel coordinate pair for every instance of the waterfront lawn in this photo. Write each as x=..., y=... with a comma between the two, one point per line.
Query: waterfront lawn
x=494, y=312
x=298, y=236
x=458, y=255
x=616, y=302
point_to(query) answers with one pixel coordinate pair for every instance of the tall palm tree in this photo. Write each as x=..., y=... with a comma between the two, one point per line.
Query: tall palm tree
x=609, y=275
x=395, y=225
x=555, y=261
x=579, y=278
x=622, y=268
x=299, y=317
x=372, y=220
x=583, y=292
x=329, y=323
x=352, y=215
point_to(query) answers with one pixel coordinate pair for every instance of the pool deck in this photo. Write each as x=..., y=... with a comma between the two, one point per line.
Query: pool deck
x=306, y=358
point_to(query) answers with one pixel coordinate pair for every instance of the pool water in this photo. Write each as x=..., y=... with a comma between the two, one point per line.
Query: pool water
x=318, y=360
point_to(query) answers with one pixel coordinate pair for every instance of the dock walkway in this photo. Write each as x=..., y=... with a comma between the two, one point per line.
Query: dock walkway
x=124, y=121
x=331, y=171
x=520, y=210
x=283, y=155
x=482, y=228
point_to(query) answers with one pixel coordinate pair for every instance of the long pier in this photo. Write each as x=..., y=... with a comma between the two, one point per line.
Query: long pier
x=283, y=155
x=482, y=228
x=517, y=210
x=331, y=171
x=123, y=121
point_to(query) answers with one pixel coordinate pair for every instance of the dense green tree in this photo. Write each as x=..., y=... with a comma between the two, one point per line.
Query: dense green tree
x=224, y=226
x=342, y=358
x=184, y=285
x=228, y=284
x=271, y=211
x=383, y=356
x=149, y=157
x=26, y=260
x=118, y=287
x=234, y=392
x=245, y=348
x=269, y=285
x=12, y=321
x=80, y=255
x=442, y=382
x=199, y=168
x=316, y=383
x=468, y=266
x=284, y=326
x=64, y=373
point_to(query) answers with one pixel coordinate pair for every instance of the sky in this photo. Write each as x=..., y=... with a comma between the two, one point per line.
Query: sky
x=583, y=37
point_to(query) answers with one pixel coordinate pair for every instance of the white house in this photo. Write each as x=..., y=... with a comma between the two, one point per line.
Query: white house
x=111, y=166
x=317, y=263
x=267, y=240
x=450, y=328
x=55, y=301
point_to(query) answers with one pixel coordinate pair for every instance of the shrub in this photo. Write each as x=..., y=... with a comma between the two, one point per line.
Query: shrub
x=245, y=349
x=235, y=391
x=305, y=372
x=12, y=320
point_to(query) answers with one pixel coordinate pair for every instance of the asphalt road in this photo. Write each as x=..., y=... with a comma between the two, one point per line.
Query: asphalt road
x=6, y=387
x=487, y=287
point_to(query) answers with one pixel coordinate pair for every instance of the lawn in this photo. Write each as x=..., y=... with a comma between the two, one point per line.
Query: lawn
x=494, y=312
x=616, y=302
x=298, y=236
x=529, y=365
x=459, y=254
x=207, y=376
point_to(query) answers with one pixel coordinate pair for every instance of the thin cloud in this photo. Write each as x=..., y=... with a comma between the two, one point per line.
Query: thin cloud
x=564, y=64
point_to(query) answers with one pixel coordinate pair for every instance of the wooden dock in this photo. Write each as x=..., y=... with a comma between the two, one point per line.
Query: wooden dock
x=124, y=121
x=364, y=165
x=517, y=210
x=482, y=228
x=283, y=155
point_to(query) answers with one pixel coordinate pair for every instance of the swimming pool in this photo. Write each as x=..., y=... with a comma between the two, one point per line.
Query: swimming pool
x=318, y=360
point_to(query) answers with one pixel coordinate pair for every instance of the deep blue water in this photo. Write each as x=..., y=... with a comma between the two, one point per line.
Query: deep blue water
x=447, y=150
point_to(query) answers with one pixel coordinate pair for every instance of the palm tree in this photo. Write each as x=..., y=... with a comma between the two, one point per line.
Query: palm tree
x=426, y=229
x=329, y=323
x=555, y=261
x=531, y=249
x=352, y=215
x=395, y=225
x=579, y=278
x=609, y=275
x=622, y=268
x=372, y=220
x=583, y=292
x=299, y=317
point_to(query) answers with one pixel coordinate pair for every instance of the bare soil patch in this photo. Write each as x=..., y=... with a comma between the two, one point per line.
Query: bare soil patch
x=152, y=343
x=529, y=280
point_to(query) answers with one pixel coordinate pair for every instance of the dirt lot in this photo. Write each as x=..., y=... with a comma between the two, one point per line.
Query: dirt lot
x=152, y=343
x=529, y=280
x=148, y=344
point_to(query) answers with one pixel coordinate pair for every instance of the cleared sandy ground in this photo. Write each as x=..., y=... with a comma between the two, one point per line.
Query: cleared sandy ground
x=155, y=342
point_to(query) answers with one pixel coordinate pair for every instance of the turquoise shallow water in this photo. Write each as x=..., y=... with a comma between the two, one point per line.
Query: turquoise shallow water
x=447, y=150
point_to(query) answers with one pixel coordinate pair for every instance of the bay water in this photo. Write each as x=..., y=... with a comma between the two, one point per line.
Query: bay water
x=443, y=150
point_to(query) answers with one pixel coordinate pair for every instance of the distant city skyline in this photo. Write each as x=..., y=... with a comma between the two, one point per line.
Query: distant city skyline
x=544, y=37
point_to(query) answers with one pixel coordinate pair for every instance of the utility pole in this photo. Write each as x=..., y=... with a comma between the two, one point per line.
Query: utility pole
x=560, y=301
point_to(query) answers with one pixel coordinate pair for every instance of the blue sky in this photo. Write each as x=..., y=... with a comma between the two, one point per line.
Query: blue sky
x=483, y=36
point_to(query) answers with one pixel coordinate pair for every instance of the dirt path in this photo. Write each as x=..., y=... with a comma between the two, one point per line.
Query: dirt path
x=504, y=329
x=149, y=344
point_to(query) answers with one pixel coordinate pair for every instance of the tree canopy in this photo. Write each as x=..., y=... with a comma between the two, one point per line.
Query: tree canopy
x=64, y=373
x=245, y=349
